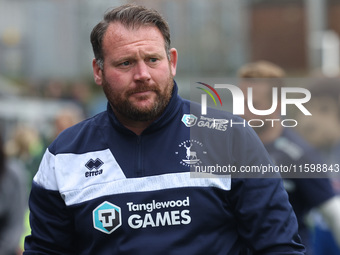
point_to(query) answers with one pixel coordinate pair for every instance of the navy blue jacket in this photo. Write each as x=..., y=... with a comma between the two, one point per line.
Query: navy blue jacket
x=101, y=189
x=305, y=192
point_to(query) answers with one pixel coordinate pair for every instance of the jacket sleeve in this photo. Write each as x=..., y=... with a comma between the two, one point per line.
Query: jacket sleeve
x=266, y=220
x=50, y=220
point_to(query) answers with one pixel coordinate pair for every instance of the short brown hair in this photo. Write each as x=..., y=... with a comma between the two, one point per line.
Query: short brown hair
x=261, y=69
x=131, y=16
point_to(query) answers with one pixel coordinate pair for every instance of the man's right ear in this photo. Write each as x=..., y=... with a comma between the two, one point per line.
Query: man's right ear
x=97, y=73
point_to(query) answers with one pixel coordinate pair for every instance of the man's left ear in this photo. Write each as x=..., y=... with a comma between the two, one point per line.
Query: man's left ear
x=97, y=72
x=173, y=60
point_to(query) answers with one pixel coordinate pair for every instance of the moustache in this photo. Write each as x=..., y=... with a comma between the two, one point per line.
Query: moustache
x=143, y=88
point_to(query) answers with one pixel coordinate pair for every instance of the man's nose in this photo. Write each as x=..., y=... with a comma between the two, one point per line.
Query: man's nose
x=141, y=72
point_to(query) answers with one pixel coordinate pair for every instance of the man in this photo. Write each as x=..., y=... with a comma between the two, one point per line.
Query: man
x=286, y=147
x=322, y=131
x=119, y=183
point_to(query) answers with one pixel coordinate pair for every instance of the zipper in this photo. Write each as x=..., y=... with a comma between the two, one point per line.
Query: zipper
x=139, y=170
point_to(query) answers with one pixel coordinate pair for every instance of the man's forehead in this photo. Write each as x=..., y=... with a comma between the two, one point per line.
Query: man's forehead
x=118, y=29
x=256, y=84
x=120, y=35
x=120, y=41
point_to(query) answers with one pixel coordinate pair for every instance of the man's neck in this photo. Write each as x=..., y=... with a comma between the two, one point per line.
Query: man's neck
x=135, y=126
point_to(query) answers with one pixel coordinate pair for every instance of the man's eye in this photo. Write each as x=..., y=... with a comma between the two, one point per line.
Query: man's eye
x=125, y=63
x=153, y=60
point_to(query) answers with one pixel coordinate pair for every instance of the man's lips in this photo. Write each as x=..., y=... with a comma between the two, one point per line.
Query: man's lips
x=142, y=95
x=142, y=91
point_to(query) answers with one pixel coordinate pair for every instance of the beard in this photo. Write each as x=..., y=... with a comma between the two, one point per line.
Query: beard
x=121, y=104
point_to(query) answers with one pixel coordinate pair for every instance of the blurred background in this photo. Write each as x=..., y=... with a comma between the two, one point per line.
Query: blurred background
x=46, y=79
x=45, y=52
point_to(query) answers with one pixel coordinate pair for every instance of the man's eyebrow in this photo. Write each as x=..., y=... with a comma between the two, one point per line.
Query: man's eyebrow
x=122, y=59
x=154, y=54
x=133, y=57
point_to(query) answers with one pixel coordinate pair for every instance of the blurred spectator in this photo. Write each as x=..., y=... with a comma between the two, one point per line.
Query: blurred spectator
x=81, y=94
x=287, y=148
x=13, y=201
x=323, y=131
x=55, y=89
x=26, y=145
x=66, y=118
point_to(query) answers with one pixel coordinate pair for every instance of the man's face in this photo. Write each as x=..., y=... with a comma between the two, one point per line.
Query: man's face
x=137, y=77
x=322, y=128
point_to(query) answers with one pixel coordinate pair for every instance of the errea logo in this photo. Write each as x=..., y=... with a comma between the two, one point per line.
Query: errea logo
x=107, y=217
x=94, y=164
